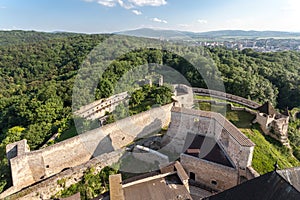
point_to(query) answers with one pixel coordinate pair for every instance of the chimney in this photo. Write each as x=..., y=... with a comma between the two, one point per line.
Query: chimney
x=115, y=187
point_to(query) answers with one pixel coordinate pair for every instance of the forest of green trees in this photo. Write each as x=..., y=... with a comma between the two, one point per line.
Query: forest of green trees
x=38, y=70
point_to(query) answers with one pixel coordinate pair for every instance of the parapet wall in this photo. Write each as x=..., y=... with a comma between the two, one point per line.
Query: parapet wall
x=31, y=167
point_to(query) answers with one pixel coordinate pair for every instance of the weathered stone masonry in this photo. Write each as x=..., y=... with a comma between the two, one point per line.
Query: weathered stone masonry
x=30, y=167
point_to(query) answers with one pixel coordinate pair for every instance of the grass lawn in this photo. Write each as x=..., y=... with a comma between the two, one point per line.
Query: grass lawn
x=241, y=119
x=266, y=154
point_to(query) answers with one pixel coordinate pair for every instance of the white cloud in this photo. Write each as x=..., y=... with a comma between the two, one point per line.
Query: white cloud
x=137, y=12
x=148, y=2
x=155, y=19
x=107, y=3
x=125, y=5
x=128, y=4
x=2, y=7
x=202, y=21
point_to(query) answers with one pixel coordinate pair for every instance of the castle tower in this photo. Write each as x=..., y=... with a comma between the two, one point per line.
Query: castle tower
x=273, y=123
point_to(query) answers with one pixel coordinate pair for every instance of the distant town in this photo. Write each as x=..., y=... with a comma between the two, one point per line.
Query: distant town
x=260, y=45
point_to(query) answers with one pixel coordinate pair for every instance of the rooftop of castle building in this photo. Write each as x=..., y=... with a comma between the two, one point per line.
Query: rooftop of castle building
x=267, y=108
x=168, y=185
x=292, y=176
x=232, y=130
x=215, y=155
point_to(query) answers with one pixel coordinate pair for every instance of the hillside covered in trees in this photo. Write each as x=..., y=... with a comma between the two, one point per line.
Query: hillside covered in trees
x=38, y=70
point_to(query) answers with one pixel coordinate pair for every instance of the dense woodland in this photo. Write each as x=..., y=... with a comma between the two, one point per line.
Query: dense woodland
x=38, y=70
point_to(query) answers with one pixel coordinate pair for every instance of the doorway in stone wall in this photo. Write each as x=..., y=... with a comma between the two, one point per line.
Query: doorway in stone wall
x=192, y=176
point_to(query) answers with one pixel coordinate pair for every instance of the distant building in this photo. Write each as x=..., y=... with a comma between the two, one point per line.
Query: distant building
x=273, y=123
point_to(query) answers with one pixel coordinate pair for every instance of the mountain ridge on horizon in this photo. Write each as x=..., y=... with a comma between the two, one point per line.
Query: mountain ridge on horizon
x=157, y=33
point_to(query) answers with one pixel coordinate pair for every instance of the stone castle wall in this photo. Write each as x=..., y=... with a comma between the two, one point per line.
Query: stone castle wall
x=49, y=187
x=235, y=145
x=183, y=95
x=31, y=167
x=212, y=175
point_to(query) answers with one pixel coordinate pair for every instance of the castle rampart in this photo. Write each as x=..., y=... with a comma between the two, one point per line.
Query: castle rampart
x=49, y=187
x=30, y=167
x=273, y=123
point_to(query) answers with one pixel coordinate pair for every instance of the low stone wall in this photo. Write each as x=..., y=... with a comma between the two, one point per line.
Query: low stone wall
x=226, y=96
x=150, y=156
x=50, y=186
x=251, y=173
x=232, y=107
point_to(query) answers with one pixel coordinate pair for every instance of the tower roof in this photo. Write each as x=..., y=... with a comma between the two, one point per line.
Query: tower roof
x=292, y=176
x=267, y=108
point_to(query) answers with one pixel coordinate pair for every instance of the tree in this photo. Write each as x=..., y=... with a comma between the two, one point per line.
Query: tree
x=13, y=134
x=105, y=89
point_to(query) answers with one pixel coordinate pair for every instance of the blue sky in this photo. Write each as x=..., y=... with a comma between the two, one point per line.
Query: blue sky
x=99, y=16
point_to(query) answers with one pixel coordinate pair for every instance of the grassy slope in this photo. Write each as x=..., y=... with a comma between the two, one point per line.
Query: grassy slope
x=266, y=153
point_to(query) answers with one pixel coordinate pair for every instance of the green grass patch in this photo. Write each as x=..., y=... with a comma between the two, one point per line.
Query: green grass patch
x=266, y=154
x=267, y=151
x=199, y=97
x=241, y=119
